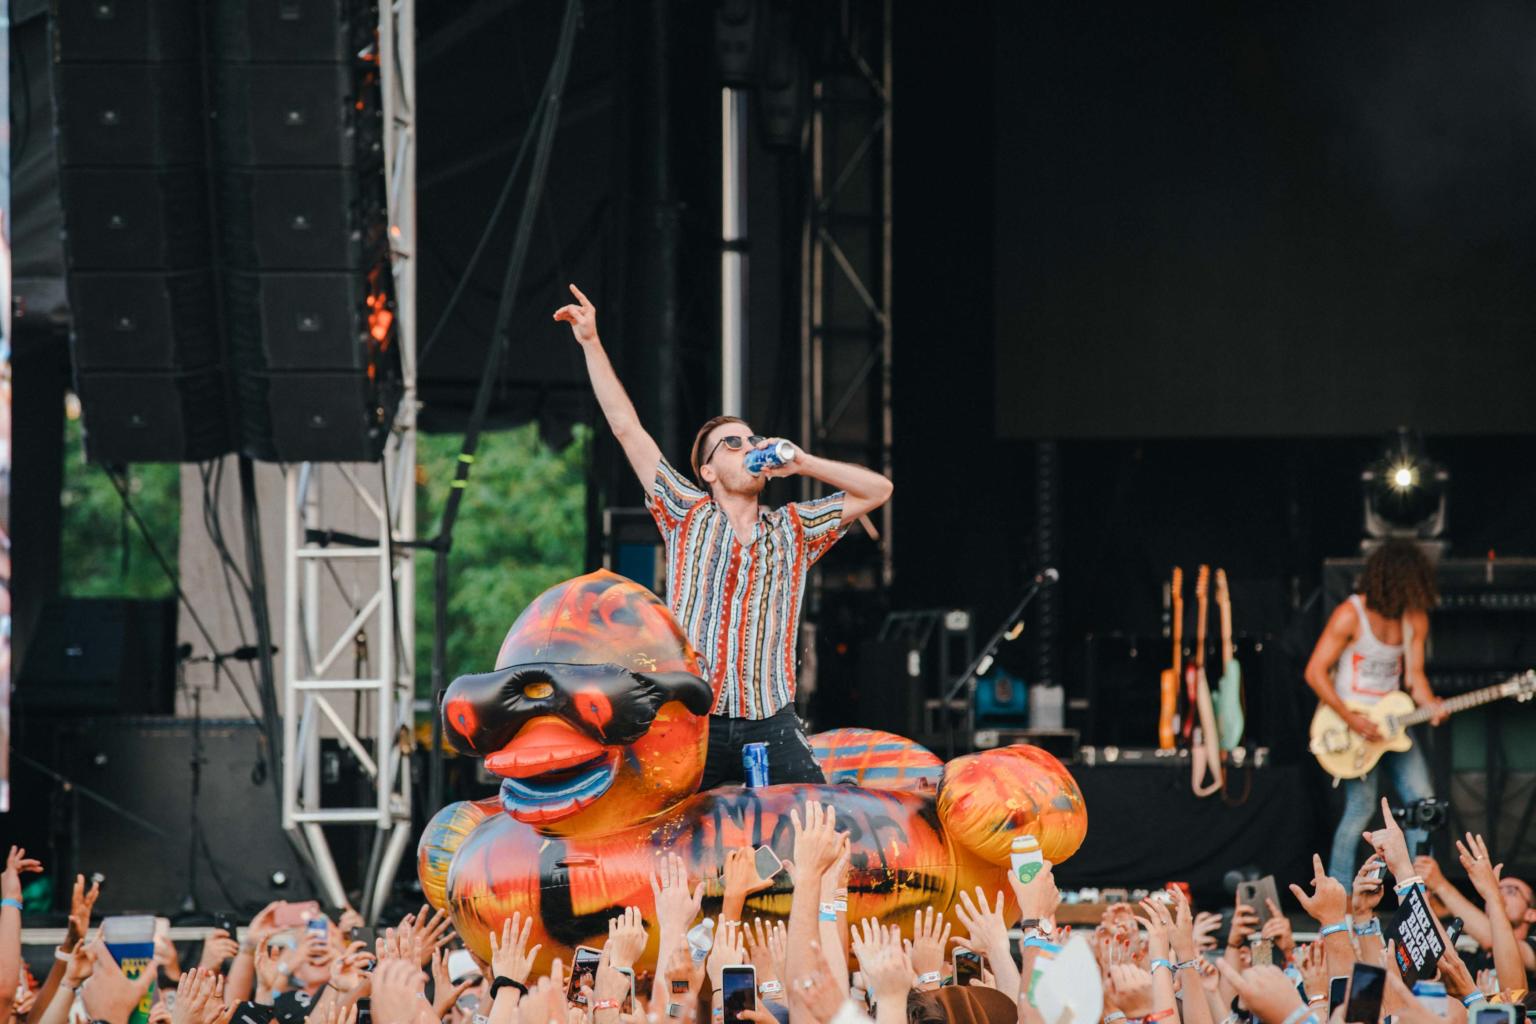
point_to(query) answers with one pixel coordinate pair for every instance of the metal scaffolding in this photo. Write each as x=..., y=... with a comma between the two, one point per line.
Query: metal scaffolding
x=846, y=325
x=347, y=557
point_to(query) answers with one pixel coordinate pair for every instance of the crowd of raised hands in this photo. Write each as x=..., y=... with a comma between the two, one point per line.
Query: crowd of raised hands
x=1156, y=961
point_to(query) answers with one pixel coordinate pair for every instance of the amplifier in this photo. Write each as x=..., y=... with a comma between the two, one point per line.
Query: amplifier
x=1141, y=757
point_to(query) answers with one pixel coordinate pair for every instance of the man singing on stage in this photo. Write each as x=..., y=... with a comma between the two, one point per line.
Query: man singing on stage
x=1372, y=645
x=735, y=570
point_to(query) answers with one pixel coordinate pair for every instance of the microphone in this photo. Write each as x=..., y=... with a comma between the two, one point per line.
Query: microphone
x=1045, y=577
x=250, y=652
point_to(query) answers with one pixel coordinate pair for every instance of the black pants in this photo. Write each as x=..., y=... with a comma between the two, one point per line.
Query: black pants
x=789, y=752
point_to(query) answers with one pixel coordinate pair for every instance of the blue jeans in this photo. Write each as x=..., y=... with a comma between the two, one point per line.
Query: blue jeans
x=1362, y=805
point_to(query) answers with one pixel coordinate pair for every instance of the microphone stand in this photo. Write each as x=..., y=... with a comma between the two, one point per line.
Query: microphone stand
x=1013, y=624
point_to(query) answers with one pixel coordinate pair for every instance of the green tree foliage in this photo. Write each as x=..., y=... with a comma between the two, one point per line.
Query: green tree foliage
x=103, y=554
x=521, y=529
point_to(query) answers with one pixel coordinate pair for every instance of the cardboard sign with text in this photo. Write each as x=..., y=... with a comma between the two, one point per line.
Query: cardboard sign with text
x=1419, y=942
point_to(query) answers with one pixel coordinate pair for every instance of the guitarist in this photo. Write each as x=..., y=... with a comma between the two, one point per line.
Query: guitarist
x=1373, y=645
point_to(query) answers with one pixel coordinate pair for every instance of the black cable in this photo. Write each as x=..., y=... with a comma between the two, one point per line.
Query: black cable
x=547, y=118
x=197, y=620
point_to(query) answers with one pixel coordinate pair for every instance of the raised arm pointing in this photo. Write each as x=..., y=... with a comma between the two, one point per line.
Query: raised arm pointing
x=618, y=410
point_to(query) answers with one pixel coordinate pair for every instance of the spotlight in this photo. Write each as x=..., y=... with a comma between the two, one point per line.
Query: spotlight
x=1404, y=491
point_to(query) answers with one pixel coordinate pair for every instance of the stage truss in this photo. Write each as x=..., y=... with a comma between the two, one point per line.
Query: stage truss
x=846, y=324
x=356, y=684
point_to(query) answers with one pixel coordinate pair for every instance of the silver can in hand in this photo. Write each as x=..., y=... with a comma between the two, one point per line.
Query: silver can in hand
x=771, y=457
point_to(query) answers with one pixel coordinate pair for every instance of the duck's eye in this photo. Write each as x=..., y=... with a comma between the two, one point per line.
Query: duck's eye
x=538, y=691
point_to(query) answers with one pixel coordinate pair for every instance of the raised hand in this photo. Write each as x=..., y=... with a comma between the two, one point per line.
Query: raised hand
x=930, y=939
x=1130, y=988
x=112, y=995
x=888, y=973
x=582, y=316
x=1265, y=990
x=765, y=948
x=626, y=939
x=1366, y=892
x=1245, y=920
x=676, y=905
x=728, y=951
x=1389, y=842
x=1159, y=925
x=430, y=933
x=350, y=971
x=1038, y=897
x=198, y=996
x=397, y=992
x=817, y=993
x=1182, y=937
x=444, y=992
x=217, y=947
x=985, y=924
x=1481, y=871
x=81, y=901
x=1453, y=971
x=511, y=957
x=1328, y=902
x=817, y=841
x=869, y=937
x=17, y=863
x=1206, y=927
x=741, y=877
x=82, y=961
x=1278, y=930
x=1312, y=962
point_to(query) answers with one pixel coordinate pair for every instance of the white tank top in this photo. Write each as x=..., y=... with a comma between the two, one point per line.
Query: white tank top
x=1368, y=669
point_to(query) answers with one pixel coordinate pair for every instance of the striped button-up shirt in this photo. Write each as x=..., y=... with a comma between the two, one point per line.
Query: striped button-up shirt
x=739, y=604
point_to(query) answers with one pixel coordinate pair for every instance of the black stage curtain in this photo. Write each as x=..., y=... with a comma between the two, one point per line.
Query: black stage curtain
x=1145, y=829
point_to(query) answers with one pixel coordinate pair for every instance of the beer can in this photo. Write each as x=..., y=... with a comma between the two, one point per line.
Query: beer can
x=771, y=457
x=754, y=762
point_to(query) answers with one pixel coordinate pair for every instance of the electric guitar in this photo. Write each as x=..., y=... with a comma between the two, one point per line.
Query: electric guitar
x=1346, y=754
x=1206, y=738
x=1229, y=691
x=1167, y=719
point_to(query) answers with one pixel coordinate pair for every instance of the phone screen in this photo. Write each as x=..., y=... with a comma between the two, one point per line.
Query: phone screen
x=1366, y=984
x=228, y=922
x=1338, y=989
x=967, y=967
x=768, y=863
x=1493, y=1015
x=738, y=985
x=583, y=974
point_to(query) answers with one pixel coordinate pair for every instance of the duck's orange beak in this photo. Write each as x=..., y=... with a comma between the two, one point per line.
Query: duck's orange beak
x=552, y=771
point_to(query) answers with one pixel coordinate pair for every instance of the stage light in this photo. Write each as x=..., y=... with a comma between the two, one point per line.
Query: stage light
x=1404, y=491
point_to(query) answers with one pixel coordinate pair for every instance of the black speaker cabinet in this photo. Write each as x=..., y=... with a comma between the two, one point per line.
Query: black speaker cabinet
x=299, y=115
x=92, y=655
x=135, y=218
x=129, y=114
x=143, y=321
x=891, y=693
x=155, y=417
x=293, y=30
x=317, y=417
x=125, y=30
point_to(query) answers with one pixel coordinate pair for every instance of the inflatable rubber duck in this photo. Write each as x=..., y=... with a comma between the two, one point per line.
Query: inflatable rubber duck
x=596, y=720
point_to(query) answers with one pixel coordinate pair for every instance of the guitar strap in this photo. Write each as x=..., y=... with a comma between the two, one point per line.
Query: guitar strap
x=1200, y=765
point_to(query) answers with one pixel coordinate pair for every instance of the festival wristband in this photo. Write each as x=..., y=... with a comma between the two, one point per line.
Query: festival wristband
x=1301, y=1014
x=1371, y=927
x=1475, y=997
x=1318, y=999
x=1037, y=942
x=502, y=981
x=931, y=978
x=62, y=955
x=605, y=1004
x=1160, y=962
x=1152, y=1018
x=1407, y=883
x=828, y=912
x=1334, y=929
x=1114, y=1018
x=770, y=988
x=674, y=1009
x=9, y=902
x=840, y=905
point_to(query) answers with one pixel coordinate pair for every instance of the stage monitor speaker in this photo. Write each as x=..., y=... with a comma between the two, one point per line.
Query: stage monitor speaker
x=143, y=321
x=155, y=417
x=324, y=31
x=125, y=30
x=144, y=766
x=318, y=417
x=892, y=686
x=92, y=655
x=299, y=115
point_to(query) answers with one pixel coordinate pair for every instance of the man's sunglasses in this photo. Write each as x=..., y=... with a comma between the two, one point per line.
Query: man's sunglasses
x=734, y=443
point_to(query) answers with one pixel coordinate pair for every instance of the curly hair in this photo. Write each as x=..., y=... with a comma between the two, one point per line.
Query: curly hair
x=1398, y=578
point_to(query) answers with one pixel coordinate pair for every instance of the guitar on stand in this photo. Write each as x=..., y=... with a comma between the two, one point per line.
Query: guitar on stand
x=1345, y=754
x=1168, y=711
x=1205, y=745
x=1229, y=690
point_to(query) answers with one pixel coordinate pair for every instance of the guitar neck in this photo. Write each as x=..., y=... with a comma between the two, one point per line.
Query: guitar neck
x=1486, y=695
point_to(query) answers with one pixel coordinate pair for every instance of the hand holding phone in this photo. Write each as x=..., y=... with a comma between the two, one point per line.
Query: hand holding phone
x=1366, y=985
x=767, y=862
x=583, y=974
x=738, y=985
x=968, y=966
